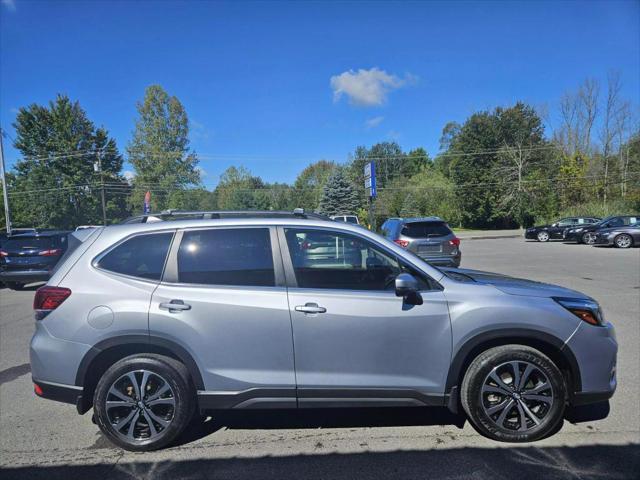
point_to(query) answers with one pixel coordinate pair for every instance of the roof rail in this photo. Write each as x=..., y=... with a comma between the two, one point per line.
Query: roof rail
x=216, y=214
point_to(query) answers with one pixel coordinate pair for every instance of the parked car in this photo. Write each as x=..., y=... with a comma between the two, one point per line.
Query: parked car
x=346, y=218
x=150, y=323
x=555, y=231
x=429, y=237
x=587, y=234
x=622, y=237
x=30, y=257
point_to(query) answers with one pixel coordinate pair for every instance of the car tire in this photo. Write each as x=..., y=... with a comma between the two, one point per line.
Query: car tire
x=588, y=238
x=623, y=241
x=15, y=285
x=498, y=410
x=543, y=236
x=152, y=419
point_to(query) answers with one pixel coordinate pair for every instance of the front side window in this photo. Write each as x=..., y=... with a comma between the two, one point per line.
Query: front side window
x=566, y=222
x=226, y=256
x=140, y=256
x=336, y=260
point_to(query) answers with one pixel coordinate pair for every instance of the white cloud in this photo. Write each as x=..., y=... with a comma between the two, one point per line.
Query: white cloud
x=373, y=122
x=203, y=173
x=128, y=175
x=367, y=88
x=10, y=4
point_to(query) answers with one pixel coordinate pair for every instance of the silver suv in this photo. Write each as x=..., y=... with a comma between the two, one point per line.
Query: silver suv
x=152, y=324
x=428, y=237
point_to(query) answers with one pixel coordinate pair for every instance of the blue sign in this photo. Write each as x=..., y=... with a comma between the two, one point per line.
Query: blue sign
x=370, y=179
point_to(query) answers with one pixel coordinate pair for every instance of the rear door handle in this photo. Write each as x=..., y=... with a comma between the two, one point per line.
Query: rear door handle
x=175, y=306
x=310, y=308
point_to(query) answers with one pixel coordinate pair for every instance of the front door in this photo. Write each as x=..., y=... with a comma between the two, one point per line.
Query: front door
x=355, y=341
x=223, y=299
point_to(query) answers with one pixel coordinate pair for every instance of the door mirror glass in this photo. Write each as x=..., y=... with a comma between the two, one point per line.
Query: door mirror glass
x=408, y=288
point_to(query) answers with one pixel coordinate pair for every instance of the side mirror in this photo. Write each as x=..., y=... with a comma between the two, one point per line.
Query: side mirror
x=408, y=288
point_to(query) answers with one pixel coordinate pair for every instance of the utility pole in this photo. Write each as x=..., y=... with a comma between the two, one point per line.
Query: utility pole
x=4, y=186
x=104, y=208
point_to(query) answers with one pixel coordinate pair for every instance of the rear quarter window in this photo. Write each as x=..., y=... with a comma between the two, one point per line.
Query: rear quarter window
x=141, y=256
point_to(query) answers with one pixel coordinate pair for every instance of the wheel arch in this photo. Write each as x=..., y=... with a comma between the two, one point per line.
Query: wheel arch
x=105, y=353
x=551, y=346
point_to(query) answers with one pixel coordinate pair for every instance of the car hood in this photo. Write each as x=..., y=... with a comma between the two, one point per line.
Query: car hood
x=516, y=286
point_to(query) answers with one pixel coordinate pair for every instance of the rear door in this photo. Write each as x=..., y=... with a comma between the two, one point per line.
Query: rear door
x=355, y=341
x=223, y=299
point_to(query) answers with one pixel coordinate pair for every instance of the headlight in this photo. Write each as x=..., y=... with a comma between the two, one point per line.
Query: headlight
x=584, y=309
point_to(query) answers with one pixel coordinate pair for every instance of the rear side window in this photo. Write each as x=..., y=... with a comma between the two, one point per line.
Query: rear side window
x=226, y=256
x=425, y=229
x=140, y=256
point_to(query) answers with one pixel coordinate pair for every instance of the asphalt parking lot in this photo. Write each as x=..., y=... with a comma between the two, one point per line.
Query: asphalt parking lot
x=43, y=439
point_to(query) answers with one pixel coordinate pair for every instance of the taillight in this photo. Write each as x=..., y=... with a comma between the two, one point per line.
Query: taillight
x=3, y=253
x=455, y=241
x=48, y=299
x=402, y=243
x=50, y=253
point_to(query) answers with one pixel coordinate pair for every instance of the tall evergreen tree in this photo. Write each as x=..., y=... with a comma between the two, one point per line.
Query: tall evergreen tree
x=338, y=196
x=159, y=150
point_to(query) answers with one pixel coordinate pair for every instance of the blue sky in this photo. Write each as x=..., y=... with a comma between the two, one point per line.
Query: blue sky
x=275, y=86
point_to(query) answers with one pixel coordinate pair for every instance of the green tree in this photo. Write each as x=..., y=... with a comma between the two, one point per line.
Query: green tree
x=237, y=190
x=338, y=195
x=490, y=153
x=309, y=184
x=159, y=151
x=55, y=183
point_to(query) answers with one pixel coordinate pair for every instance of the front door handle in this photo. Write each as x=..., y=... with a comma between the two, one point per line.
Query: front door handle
x=310, y=308
x=175, y=306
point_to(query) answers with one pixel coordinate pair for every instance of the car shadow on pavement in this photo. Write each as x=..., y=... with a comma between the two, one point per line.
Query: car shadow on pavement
x=522, y=463
x=319, y=418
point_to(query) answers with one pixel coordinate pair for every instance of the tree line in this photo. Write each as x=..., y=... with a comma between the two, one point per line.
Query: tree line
x=501, y=168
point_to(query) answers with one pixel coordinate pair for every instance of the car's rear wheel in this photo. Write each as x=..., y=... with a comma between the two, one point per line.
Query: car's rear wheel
x=143, y=402
x=15, y=285
x=543, y=236
x=623, y=241
x=589, y=238
x=513, y=393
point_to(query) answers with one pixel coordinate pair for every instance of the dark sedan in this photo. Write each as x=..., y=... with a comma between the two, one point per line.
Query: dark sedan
x=621, y=237
x=30, y=257
x=555, y=231
x=587, y=234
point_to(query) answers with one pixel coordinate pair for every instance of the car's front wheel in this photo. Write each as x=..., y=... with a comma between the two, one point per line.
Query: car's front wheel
x=588, y=238
x=143, y=402
x=623, y=241
x=513, y=393
x=543, y=236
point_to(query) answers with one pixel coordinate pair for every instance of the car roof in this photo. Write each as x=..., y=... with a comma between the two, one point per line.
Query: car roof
x=422, y=219
x=191, y=223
